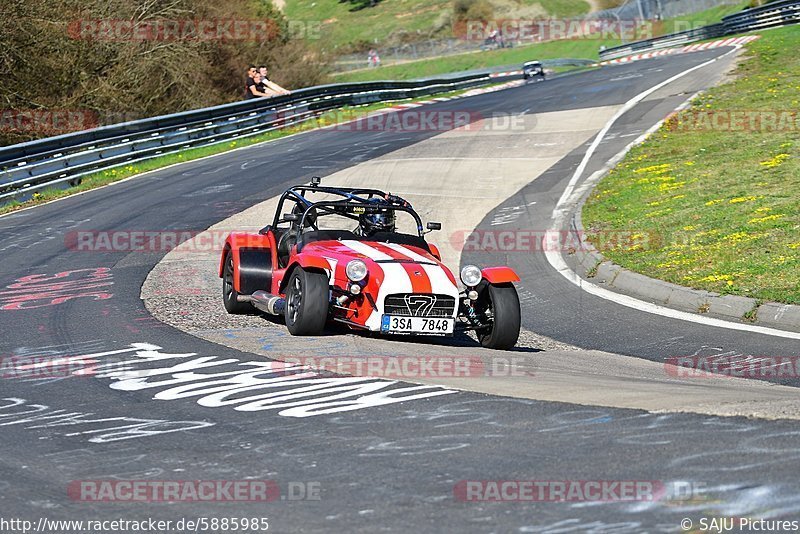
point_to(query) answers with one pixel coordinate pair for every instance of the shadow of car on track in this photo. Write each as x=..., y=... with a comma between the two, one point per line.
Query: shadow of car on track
x=458, y=340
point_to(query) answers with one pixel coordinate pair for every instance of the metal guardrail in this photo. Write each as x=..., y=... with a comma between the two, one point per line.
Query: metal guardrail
x=665, y=41
x=29, y=167
x=770, y=15
x=767, y=16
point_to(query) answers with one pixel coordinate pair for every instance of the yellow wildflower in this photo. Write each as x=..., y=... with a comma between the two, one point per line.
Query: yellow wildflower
x=774, y=162
x=766, y=218
x=654, y=169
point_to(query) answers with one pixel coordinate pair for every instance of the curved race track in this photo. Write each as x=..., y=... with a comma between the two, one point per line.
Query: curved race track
x=388, y=465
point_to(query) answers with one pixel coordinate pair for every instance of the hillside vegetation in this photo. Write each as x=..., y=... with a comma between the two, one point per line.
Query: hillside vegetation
x=354, y=26
x=49, y=63
x=563, y=48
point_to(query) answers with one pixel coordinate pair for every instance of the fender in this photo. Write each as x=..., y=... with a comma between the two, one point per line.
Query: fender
x=236, y=240
x=435, y=251
x=306, y=261
x=252, y=261
x=499, y=275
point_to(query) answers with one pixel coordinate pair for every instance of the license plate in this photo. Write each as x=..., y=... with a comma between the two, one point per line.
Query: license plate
x=397, y=324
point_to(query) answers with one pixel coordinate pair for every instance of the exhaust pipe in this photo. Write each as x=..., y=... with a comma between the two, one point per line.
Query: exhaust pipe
x=268, y=303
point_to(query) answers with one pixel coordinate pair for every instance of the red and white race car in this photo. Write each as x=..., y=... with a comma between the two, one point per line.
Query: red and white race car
x=336, y=254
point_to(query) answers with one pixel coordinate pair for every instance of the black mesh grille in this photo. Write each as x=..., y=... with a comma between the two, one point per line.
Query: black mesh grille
x=419, y=305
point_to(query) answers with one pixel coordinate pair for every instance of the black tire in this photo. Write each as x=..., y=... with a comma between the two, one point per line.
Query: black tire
x=230, y=297
x=504, y=303
x=307, y=295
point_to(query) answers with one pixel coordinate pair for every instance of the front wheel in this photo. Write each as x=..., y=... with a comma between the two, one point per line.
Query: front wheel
x=230, y=297
x=306, y=303
x=503, y=305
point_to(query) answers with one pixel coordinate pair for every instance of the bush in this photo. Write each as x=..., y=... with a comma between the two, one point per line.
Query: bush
x=472, y=10
x=480, y=10
x=50, y=65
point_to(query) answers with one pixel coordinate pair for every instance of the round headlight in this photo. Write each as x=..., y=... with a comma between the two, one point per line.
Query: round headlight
x=356, y=270
x=471, y=275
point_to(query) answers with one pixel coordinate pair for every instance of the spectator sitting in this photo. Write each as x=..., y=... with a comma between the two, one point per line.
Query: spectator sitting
x=248, y=81
x=272, y=86
x=259, y=89
x=254, y=88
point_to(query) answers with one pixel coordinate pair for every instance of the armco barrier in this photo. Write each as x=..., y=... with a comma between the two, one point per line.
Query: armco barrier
x=769, y=15
x=35, y=165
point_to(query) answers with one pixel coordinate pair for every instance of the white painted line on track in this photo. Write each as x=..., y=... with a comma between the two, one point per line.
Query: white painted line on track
x=561, y=211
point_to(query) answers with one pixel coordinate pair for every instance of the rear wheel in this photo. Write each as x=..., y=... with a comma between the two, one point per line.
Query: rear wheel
x=230, y=297
x=503, y=307
x=306, y=303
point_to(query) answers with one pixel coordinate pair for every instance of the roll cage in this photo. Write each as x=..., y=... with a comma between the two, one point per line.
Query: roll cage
x=352, y=200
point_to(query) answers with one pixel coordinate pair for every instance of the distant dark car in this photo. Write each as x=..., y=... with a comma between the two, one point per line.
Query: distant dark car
x=532, y=70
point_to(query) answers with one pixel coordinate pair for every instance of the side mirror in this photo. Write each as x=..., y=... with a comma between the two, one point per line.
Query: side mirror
x=316, y=180
x=434, y=226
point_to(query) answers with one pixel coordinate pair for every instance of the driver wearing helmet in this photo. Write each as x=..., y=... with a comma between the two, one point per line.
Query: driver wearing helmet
x=379, y=219
x=375, y=220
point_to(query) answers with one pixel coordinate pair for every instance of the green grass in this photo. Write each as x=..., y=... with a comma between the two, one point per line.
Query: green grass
x=340, y=26
x=106, y=177
x=573, y=48
x=721, y=207
x=389, y=19
x=701, y=18
x=584, y=48
x=561, y=8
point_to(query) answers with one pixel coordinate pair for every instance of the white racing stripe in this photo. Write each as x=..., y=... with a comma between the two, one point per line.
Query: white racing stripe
x=440, y=282
x=408, y=253
x=561, y=211
x=366, y=250
x=332, y=262
x=395, y=279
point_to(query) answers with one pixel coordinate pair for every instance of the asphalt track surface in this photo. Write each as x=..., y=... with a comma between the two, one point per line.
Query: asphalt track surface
x=385, y=468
